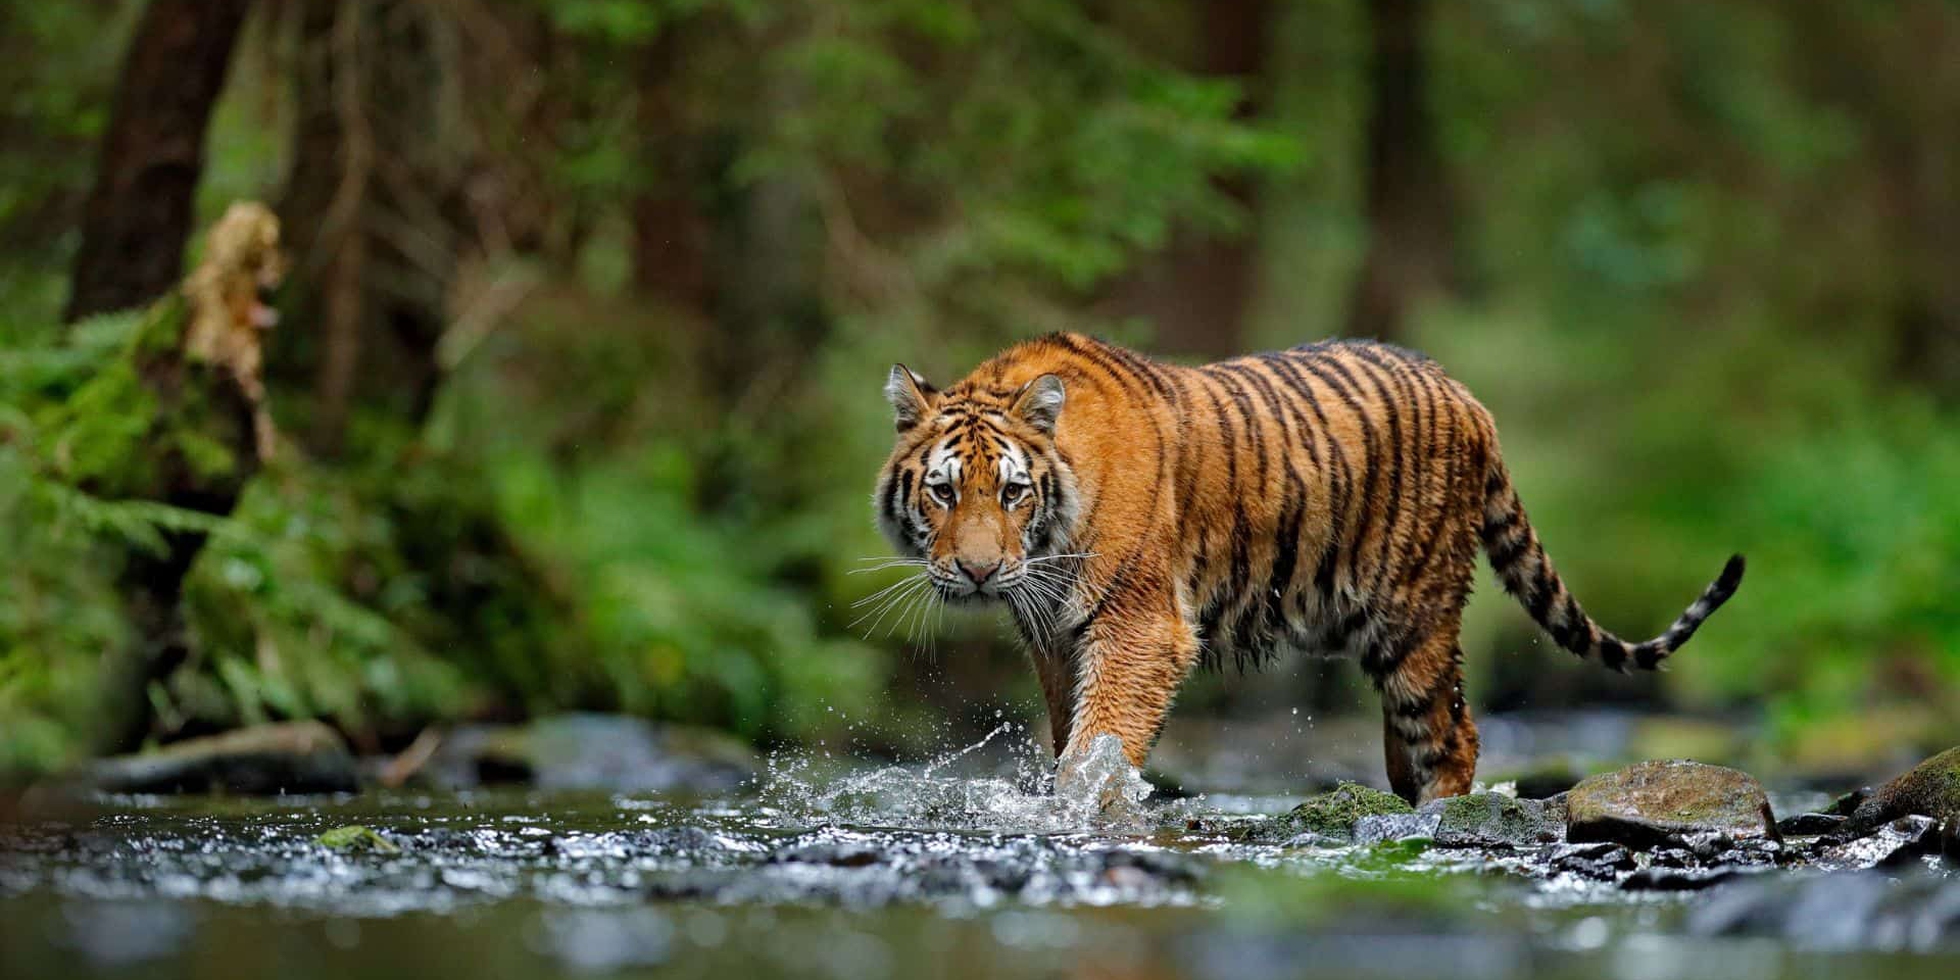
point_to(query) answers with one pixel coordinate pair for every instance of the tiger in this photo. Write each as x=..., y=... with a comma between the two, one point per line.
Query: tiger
x=1140, y=518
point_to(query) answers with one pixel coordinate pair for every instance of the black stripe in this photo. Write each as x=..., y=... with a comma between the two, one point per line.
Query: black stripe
x=1336, y=543
x=1279, y=573
x=1335, y=470
x=1613, y=651
x=1439, y=687
x=1431, y=758
x=1148, y=369
x=1431, y=543
x=1544, y=589
x=1247, y=414
x=1387, y=654
x=1392, y=519
x=890, y=502
x=1505, y=552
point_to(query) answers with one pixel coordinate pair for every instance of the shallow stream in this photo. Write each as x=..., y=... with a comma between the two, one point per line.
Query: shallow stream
x=964, y=866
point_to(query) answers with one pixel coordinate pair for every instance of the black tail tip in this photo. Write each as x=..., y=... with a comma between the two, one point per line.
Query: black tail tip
x=1725, y=584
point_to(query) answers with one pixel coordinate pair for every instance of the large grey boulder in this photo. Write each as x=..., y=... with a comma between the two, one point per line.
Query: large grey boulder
x=1651, y=804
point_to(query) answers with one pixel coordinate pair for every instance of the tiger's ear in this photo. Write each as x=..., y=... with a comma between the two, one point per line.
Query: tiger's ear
x=910, y=395
x=1040, y=402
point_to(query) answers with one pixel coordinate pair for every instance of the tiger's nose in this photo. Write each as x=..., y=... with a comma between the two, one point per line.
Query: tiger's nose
x=979, y=571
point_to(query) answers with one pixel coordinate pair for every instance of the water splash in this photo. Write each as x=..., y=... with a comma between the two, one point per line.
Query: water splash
x=1101, y=791
x=1100, y=784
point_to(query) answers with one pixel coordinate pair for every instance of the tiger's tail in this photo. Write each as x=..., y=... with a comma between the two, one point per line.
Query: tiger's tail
x=1522, y=565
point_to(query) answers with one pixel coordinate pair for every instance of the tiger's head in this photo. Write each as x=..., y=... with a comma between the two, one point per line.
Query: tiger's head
x=975, y=490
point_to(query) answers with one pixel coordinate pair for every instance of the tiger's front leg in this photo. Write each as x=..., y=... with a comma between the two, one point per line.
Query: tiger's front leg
x=1130, y=662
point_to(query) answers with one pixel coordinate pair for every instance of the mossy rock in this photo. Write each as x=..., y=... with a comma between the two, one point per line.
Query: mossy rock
x=1334, y=813
x=1649, y=804
x=1491, y=820
x=1930, y=789
x=355, y=837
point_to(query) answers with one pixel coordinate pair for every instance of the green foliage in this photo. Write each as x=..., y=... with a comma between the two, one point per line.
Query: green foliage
x=1697, y=263
x=703, y=617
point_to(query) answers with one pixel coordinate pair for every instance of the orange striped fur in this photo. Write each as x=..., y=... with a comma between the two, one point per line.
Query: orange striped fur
x=1140, y=518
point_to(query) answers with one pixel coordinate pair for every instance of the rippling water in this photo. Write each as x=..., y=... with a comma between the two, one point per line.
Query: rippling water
x=971, y=864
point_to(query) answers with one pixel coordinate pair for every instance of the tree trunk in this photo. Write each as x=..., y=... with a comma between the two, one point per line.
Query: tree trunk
x=139, y=211
x=374, y=203
x=1410, y=208
x=670, y=230
x=1200, y=290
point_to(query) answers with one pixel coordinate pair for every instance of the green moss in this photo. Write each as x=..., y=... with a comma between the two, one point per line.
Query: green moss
x=1333, y=814
x=1488, y=819
x=355, y=837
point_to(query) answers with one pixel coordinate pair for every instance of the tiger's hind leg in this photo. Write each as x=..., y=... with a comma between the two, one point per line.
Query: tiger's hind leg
x=1428, y=735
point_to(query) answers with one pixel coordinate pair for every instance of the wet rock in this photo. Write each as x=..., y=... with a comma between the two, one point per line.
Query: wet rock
x=1677, y=879
x=612, y=753
x=1756, y=853
x=1600, y=860
x=1931, y=789
x=1898, y=843
x=1334, y=814
x=1810, y=824
x=1847, y=804
x=1420, y=825
x=1489, y=820
x=263, y=760
x=355, y=837
x=1717, y=848
x=1950, y=840
x=1651, y=804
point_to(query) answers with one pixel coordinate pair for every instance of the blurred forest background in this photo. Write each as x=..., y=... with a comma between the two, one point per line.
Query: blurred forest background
x=577, y=373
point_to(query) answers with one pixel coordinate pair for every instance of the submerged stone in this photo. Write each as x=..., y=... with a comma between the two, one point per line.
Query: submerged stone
x=1600, y=860
x=355, y=838
x=1810, y=824
x=1677, y=879
x=1491, y=820
x=263, y=760
x=1931, y=789
x=1651, y=804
